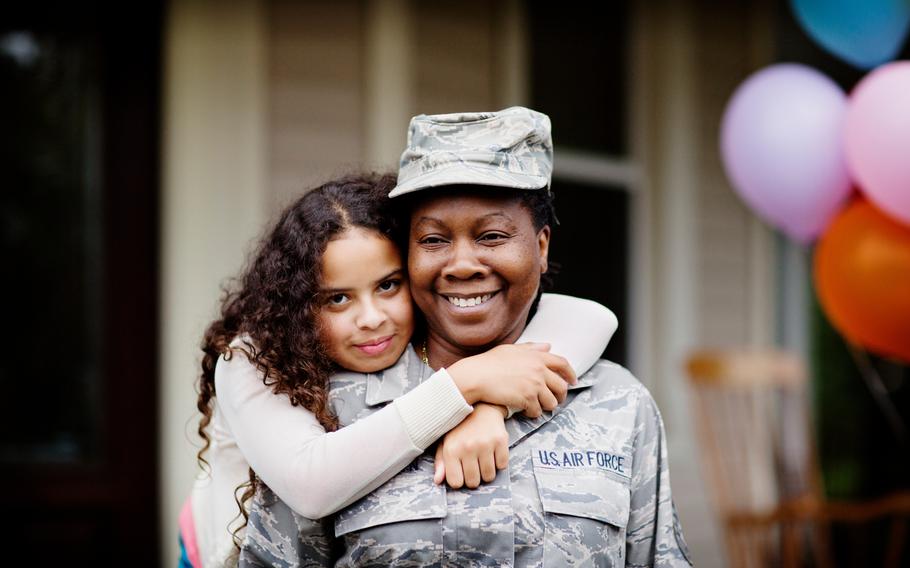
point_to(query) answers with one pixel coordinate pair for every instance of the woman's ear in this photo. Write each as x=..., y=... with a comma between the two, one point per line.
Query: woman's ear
x=543, y=243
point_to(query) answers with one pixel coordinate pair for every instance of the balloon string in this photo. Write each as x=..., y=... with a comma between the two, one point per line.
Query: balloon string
x=876, y=386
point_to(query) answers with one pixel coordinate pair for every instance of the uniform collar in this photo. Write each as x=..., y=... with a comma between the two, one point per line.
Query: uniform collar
x=385, y=386
x=520, y=426
x=409, y=371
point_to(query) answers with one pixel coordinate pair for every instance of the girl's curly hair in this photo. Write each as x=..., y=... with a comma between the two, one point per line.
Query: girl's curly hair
x=272, y=307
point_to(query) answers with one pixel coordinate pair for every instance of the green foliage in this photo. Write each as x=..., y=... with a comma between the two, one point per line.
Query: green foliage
x=861, y=453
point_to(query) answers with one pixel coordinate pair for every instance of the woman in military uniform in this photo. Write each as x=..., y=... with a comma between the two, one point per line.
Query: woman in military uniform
x=586, y=484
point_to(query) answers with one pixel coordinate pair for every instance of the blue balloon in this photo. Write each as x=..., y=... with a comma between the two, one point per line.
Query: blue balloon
x=864, y=33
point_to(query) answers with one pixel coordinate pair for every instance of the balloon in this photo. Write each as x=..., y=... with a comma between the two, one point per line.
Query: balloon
x=862, y=276
x=781, y=144
x=864, y=33
x=877, y=138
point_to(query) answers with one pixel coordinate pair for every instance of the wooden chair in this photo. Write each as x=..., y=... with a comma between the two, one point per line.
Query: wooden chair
x=754, y=426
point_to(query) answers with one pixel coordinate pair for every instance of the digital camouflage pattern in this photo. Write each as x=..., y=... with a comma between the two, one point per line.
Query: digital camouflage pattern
x=509, y=148
x=277, y=536
x=586, y=485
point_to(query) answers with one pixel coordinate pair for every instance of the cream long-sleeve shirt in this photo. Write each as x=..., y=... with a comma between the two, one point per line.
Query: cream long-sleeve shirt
x=317, y=472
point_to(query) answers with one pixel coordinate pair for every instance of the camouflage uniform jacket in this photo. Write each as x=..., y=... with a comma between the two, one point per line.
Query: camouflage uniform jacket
x=586, y=485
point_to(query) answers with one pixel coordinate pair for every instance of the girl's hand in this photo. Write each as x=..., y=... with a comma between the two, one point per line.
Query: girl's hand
x=473, y=450
x=523, y=377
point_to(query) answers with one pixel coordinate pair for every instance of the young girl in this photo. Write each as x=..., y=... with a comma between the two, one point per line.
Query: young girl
x=327, y=290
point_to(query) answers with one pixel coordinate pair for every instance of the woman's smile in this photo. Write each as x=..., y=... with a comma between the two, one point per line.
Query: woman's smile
x=465, y=301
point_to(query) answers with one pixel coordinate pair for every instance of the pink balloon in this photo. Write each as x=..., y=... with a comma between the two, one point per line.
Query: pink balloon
x=878, y=138
x=781, y=144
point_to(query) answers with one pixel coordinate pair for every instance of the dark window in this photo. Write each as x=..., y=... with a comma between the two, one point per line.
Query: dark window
x=590, y=246
x=578, y=72
x=578, y=67
x=51, y=245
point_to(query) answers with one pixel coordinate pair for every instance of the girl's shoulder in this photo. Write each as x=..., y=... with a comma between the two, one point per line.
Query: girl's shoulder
x=243, y=342
x=236, y=363
x=241, y=352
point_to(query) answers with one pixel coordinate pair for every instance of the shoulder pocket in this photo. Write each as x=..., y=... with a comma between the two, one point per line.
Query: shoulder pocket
x=409, y=496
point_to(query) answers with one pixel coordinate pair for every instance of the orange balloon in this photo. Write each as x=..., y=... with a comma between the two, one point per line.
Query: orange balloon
x=862, y=275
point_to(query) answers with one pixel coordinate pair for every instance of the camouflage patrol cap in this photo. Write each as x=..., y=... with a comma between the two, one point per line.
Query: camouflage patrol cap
x=508, y=148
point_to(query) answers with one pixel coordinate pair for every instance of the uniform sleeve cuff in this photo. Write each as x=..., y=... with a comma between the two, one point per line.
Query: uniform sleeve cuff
x=432, y=409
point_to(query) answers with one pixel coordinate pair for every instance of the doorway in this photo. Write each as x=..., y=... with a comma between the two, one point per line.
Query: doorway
x=79, y=88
